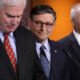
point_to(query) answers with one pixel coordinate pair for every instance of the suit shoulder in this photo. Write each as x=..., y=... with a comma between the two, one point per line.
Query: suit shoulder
x=21, y=30
x=56, y=44
x=65, y=39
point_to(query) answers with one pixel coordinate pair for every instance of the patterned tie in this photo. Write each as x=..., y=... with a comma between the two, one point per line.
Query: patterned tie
x=9, y=50
x=44, y=61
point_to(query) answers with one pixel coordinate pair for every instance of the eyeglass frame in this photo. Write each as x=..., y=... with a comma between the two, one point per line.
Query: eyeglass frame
x=40, y=23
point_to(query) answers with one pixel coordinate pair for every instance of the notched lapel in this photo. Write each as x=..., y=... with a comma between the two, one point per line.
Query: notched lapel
x=74, y=46
x=19, y=50
x=54, y=60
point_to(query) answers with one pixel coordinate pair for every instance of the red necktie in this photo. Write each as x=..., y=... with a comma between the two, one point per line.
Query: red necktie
x=9, y=51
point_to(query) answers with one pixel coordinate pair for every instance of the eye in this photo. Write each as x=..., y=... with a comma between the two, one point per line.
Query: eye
x=49, y=24
x=38, y=22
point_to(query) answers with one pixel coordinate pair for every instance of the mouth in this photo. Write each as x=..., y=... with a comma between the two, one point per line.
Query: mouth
x=11, y=26
x=43, y=33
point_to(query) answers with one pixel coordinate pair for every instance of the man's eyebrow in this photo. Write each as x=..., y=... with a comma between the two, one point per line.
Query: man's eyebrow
x=10, y=15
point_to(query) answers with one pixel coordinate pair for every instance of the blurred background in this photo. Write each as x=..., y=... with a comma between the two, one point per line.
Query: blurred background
x=63, y=25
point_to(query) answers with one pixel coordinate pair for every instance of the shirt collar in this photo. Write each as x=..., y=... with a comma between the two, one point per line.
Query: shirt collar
x=46, y=45
x=2, y=36
x=77, y=36
x=11, y=35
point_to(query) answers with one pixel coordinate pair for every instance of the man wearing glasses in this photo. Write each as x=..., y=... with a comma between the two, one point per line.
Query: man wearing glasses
x=51, y=57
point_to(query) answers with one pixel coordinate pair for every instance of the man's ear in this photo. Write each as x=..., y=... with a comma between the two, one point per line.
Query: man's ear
x=54, y=23
x=29, y=23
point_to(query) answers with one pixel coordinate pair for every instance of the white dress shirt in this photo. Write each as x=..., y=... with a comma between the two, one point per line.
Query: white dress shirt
x=12, y=42
x=46, y=49
x=77, y=36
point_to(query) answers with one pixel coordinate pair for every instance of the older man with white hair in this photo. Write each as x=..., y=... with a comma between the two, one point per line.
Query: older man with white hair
x=16, y=44
x=72, y=42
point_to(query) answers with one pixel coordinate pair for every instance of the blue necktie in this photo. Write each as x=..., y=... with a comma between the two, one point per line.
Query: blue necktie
x=44, y=61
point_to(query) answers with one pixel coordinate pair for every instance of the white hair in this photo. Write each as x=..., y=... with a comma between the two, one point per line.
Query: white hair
x=75, y=8
x=13, y=2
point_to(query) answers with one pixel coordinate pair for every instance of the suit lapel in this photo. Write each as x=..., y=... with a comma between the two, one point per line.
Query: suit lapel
x=23, y=56
x=5, y=58
x=74, y=44
x=54, y=60
x=38, y=61
x=53, y=64
x=20, y=57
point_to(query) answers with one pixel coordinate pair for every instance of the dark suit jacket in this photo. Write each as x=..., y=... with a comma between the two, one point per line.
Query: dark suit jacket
x=59, y=63
x=25, y=58
x=73, y=49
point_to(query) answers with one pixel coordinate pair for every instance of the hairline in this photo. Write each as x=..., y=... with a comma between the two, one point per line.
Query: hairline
x=12, y=3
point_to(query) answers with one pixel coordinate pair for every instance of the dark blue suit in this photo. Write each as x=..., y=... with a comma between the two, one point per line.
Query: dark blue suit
x=59, y=63
x=27, y=66
x=72, y=47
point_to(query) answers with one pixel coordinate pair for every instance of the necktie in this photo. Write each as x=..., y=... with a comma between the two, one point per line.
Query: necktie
x=9, y=50
x=44, y=61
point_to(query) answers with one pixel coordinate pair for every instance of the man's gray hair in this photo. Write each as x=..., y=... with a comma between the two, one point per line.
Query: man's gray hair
x=13, y=2
x=75, y=8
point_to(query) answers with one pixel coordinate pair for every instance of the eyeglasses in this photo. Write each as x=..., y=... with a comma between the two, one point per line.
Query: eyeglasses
x=40, y=24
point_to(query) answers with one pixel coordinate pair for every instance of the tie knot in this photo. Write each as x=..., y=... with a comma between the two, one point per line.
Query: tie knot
x=43, y=47
x=6, y=35
x=6, y=39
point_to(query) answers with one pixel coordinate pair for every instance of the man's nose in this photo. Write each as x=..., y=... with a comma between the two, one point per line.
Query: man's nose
x=15, y=20
x=43, y=27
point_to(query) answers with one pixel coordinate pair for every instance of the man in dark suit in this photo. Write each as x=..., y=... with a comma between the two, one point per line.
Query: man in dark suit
x=16, y=44
x=72, y=42
x=51, y=57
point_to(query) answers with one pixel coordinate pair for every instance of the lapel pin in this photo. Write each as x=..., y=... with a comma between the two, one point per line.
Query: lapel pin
x=55, y=51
